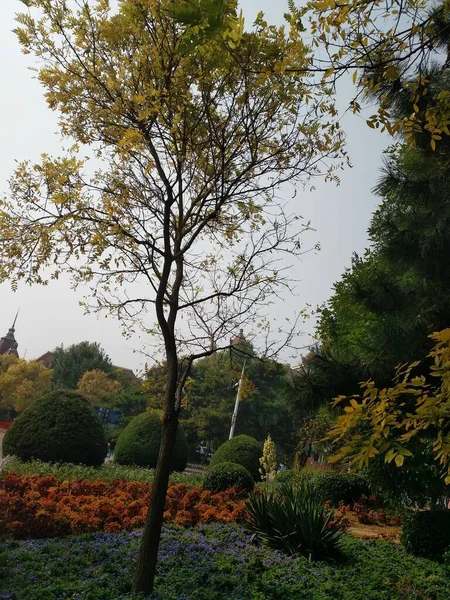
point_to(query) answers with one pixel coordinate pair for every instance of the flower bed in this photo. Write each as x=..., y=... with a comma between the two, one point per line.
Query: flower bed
x=212, y=562
x=109, y=471
x=46, y=507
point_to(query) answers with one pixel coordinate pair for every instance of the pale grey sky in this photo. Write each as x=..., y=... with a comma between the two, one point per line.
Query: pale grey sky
x=51, y=316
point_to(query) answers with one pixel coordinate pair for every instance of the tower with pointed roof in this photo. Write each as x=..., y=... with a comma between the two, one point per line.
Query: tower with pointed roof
x=238, y=338
x=8, y=343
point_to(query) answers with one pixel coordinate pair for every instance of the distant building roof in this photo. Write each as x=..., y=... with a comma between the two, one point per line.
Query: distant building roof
x=45, y=359
x=306, y=361
x=238, y=338
x=8, y=343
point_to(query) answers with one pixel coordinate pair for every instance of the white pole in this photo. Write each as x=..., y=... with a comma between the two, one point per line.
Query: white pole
x=236, y=405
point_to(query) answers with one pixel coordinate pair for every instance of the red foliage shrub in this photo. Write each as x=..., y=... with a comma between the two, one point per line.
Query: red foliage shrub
x=45, y=507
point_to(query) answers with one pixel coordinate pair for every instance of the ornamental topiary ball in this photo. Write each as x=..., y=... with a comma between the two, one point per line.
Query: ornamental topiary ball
x=139, y=442
x=226, y=475
x=242, y=450
x=61, y=426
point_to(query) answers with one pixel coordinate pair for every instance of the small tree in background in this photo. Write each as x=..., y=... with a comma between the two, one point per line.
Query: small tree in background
x=22, y=382
x=70, y=364
x=268, y=459
x=97, y=386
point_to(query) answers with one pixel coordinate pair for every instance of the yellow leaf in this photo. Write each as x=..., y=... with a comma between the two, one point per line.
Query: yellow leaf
x=399, y=460
x=391, y=72
x=405, y=452
x=328, y=73
x=355, y=76
x=389, y=456
x=433, y=144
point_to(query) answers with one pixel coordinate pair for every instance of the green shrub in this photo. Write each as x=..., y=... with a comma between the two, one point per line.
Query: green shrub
x=338, y=487
x=427, y=533
x=293, y=519
x=139, y=442
x=227, y=475
x=290, y=477
x=59, y=427
x=242, y=450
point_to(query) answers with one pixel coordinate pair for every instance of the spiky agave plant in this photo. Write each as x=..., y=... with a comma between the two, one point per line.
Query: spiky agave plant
x=292, y=518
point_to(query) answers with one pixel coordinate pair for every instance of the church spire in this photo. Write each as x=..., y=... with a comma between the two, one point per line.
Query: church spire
x=8, y=343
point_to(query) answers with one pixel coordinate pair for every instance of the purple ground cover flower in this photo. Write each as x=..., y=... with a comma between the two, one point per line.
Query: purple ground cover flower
x=210, y=562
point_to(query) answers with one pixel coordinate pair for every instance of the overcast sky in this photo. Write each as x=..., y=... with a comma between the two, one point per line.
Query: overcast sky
x=51, y=316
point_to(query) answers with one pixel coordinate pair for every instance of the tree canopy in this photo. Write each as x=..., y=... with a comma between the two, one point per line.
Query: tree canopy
x=22, y=382
x=210, y=395
x=70, y=364
x=97, y=386
x=390, y=48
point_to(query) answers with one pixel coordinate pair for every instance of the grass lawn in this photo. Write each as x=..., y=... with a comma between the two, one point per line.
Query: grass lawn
x=213, y=562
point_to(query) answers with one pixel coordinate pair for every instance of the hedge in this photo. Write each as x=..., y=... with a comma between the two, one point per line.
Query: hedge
x=242, y=450
x=427, y=533
x=226, y=475
x=61, y=426
x=139, y=442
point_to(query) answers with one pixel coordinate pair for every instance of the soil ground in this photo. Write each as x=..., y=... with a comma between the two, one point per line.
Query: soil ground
x=374, y=532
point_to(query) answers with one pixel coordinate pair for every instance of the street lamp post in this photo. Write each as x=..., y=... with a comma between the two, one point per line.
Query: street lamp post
x=236, y=405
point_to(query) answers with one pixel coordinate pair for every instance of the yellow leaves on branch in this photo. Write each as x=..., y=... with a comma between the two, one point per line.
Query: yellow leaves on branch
x=381, y=42
x=383, y=421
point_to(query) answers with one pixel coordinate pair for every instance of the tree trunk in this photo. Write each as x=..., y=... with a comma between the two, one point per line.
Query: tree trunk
x=148, y=552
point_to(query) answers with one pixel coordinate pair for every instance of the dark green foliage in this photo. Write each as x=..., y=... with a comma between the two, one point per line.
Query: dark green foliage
x=290, y=477
x=292, y=519
x=212, y=395
x=60, y=427
x=132, y=402
x=227, y=475
x=339, y=487
x=427, y=533
x=242, y=450
x=418, y=483
x=390, y=300
x=69, y=364
x=320, y=379
x=139, y=442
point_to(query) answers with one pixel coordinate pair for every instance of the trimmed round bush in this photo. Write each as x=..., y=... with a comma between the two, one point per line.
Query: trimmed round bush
x=139, y=442
x=61, y=426
x=242, y=450
x=427, y=533
x=289, y=477
x=339, y=487
x=226, y=475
